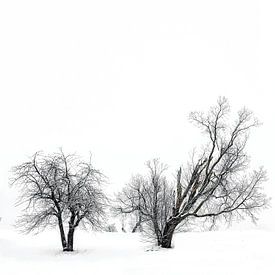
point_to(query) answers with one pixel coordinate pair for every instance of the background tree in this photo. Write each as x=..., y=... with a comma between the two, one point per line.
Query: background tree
x=127, y=204
x=59, y=189
x=216, y=184
x=149, y=198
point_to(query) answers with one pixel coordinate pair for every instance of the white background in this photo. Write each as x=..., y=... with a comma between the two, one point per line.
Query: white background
x=119, y=78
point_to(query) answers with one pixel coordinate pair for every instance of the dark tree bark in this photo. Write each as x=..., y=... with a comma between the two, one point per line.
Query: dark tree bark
x=137, y=225
x=62, y=233
x=168, y=232
x=70, y=238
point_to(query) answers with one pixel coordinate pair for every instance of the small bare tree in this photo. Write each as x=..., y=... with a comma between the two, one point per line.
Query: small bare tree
x=56, y=189
x=216, y=184
x=127, y=203
x=149, y=198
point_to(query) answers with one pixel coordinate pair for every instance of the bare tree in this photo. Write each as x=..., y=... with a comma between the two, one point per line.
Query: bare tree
x=216, y=184
x=56, y=189
x=127, y=203
x=149, y=198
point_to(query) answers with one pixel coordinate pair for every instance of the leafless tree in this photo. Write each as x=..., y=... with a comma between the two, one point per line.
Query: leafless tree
x=56, y=189
x=127, y=203
x=216, y=184
x=149, y=198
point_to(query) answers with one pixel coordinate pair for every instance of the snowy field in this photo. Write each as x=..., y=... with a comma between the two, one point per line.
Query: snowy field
x=119, y=79
x=221, y=252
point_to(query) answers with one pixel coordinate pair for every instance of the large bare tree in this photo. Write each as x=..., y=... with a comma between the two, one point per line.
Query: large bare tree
x=216, y=183
x=59, y=189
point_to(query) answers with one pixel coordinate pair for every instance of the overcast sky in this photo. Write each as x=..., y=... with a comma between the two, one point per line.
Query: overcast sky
x=119, y=78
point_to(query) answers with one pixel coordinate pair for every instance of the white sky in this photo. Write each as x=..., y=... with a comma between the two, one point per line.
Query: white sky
x=118, y=79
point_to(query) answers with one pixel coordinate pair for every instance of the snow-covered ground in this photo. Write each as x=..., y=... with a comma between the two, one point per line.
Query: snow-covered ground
x=222, y=252
x=119, y=78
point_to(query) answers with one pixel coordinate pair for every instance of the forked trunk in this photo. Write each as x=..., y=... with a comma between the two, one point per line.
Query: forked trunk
x=70, y=236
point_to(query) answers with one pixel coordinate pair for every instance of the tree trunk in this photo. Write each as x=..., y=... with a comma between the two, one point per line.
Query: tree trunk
x=137, y=225
x=70, y=239
x=62, y=233
x=70, y=236
x=157, y=233
x=168, y=232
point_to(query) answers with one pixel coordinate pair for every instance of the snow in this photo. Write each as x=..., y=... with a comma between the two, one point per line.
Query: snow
x=119, y=78
x=220, y=252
